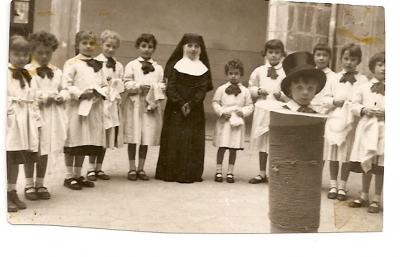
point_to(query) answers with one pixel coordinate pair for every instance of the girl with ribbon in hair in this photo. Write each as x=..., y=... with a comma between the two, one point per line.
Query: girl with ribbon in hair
x=113, y=72
x=369, y=142
x=181, y=157
x=83, y=78
x=232, y=102
x=51, y=96
x=341, y=123
x=265, y=88
x=23, y=119
x=142, y=113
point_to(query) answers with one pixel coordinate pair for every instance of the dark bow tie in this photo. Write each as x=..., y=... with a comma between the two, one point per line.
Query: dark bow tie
x=95, y=64
x=233, y=90
x=111, y=63
x=44, y=71
x=306, y=109
x=379, y=88
x=272, y=73
x=21, y=74
x=147, y=67
x=349, y=77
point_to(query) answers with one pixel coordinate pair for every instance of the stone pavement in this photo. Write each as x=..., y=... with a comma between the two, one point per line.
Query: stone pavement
x=158, y=206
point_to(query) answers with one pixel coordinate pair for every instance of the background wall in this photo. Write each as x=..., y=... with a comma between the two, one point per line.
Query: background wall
x=231, y=29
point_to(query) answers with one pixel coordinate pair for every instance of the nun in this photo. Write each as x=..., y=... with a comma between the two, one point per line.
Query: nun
x=188, y=77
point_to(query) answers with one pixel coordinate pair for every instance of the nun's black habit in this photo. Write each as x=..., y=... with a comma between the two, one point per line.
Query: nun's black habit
x=181, y=156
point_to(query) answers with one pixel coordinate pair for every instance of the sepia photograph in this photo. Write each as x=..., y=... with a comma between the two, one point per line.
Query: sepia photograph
x=228, y=116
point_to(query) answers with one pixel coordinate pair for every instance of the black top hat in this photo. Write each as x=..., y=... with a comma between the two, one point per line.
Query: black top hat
x=301, y=63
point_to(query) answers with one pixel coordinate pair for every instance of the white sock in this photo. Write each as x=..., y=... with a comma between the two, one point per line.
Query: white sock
x=29, y=182
x=219, y=168
x=342, y=185
x=98, y=166
x=11, y=187
x=77, y=172
x=39, y=182
x=263, y=173
x=333, y=183
x=70, y=172
x=92, y=166
x=377, y=198
x=230, y=168
x=132, y=165
x=364, y=196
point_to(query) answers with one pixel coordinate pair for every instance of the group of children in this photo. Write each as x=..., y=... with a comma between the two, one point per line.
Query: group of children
x=95, y=104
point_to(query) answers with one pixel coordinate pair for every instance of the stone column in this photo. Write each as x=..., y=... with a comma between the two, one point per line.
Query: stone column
x=295, y=169
x=64, y=24
x=299, y=25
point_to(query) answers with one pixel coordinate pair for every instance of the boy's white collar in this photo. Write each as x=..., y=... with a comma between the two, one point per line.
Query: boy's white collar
x=293, y=105
x=102, y=57
x=191, y=67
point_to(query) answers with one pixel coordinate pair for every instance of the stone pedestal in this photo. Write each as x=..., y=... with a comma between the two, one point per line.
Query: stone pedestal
x=295, y=170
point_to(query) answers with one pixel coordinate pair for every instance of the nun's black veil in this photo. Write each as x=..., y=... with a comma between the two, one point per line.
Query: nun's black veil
x=178, y=54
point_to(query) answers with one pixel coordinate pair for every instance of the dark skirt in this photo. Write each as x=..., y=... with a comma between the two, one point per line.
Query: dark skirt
x=21, y=157
x=356, y=168
x=84, y=150
x=181, y=157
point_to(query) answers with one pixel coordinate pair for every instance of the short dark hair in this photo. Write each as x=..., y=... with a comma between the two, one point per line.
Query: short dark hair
x=274, y=44
x=82, y=35
x=234, y=64
x=19, y=43
x=322, y=47
x=146, y=37
x=354, y=51
x=43, y=38
x=378, y=57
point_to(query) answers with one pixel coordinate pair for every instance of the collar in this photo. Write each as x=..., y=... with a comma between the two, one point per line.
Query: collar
x=141, y=59
x=295, y=106
x=326, y=70
x=187, y=66
x=103, y=58
x=277, y=67
x=374, y=80
x=33, y=65
x=343, y=72
x=83, y=57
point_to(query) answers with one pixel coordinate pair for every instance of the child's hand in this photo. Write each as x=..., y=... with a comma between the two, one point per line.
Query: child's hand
x=239, y=113
x=277, y=95
x=59, y=99
x=132, y=91
x=262, y=92
x=338, y=103
x=145, y=89
x=367, y=112
x=87, y=94
x=226, y=115
x=379, y=113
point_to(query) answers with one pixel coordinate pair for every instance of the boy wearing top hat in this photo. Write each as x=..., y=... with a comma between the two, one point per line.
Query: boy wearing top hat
x=302, y=82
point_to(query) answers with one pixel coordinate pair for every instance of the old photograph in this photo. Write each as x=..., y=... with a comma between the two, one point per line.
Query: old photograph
x=176, y=116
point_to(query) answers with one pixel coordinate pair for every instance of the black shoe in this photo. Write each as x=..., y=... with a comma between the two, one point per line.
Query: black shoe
x=84, y=183
x=358, y=203
x=91, y=175
x=72, y=183
x=11, y=206
x=230, y=178
x=374, y=207
x=342, y=195
x=43, y=193
x=218, y=177
x=14, y=198
x=31, y=195
x=102, y=175
x=142, y=175
x=332, y=194
x=258, y=179
x=132, y=175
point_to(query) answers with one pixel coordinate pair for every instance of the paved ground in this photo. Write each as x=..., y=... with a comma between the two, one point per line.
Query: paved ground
x=206, y=207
